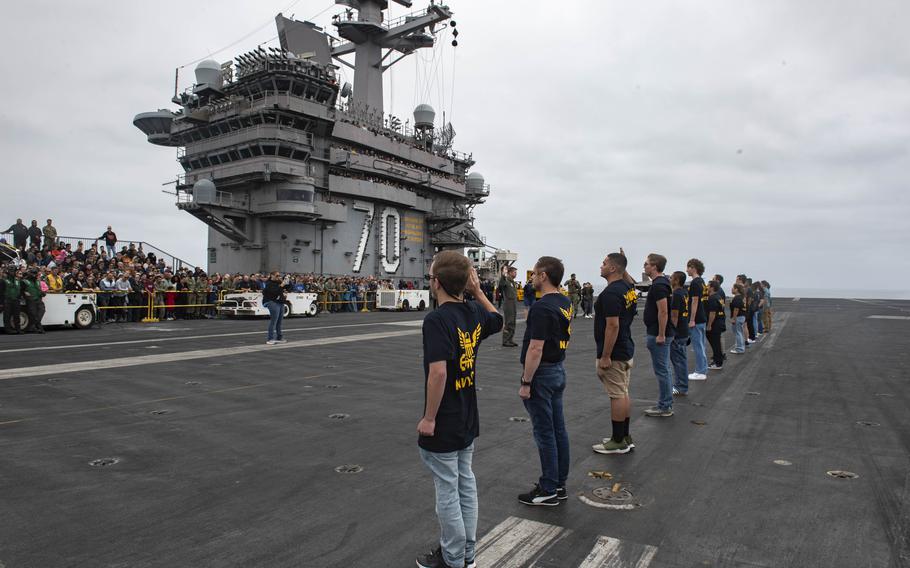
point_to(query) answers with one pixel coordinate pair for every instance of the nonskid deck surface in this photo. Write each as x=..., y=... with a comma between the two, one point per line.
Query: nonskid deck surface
x=227, y=449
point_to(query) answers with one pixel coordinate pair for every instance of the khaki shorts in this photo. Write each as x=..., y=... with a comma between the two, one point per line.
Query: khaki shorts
x=616, y=378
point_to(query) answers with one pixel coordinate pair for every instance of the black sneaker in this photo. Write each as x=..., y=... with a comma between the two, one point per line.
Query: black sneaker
x=561, y=493
x=432, y=560
x=538, y=496
x=470, y=563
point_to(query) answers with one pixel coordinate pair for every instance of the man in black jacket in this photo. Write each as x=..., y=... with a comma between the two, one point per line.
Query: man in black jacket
x=273, y=300
x=20, y=234
x=34, y=234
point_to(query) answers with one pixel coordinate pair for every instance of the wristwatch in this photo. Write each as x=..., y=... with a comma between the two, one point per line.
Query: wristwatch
x=525, y=383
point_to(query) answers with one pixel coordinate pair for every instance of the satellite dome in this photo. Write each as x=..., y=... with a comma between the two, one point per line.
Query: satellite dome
x=424, y=116
x=474, y=181
x=208, y=72
x=204, y=191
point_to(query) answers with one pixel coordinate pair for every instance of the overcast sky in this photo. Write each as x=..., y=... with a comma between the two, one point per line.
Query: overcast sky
x=766, y=137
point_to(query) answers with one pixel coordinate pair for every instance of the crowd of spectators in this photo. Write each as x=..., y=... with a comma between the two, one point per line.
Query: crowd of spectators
x=124, y=277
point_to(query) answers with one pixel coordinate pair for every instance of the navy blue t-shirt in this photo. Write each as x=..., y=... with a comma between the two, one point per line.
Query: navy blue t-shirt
x=660, y=289
x=739, y=305
x=681, y=303
x=549, y=319
x=716, y=306
x=619, y=299
x=697, y=289
x=452, y=333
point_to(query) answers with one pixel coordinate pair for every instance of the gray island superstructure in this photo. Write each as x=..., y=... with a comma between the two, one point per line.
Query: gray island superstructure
x=293, y=171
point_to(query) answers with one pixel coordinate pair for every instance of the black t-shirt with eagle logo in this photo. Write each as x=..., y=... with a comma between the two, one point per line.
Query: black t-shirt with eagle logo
x=452, y=333
x=681, y=304
x=549, y=319
x=620, y=300
x=697, y=289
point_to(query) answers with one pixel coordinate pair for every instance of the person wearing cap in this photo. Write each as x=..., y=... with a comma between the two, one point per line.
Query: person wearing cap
x=11, y=288
x=106, y=287
x=121, y=296
x=20, y=234
x=110, y=241
x=574, y=293
x=34, y=305
x=509, y=297
x=161, y=286
x=50, y=235
x=34, y=234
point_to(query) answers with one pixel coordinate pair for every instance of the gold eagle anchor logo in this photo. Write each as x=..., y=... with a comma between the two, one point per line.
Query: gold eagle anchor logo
x=468, y=342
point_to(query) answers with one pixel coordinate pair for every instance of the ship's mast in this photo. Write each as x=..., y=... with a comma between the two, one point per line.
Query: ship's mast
x=367, y=36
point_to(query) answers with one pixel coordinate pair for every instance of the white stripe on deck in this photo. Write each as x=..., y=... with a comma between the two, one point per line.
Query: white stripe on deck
x=186, y=337
x=514, y=542
x=612, y=552
x=888, y=317
x=61, y=368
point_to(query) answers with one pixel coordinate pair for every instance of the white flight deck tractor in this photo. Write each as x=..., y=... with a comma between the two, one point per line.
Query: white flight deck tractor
x=250, y=304
x=403, y=300
x=77, y=309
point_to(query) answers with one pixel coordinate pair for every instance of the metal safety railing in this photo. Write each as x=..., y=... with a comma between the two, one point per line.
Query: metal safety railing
x=170, y=260
x=115, y=306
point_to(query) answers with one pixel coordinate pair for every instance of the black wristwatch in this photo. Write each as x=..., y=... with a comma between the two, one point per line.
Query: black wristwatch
x=525, y=383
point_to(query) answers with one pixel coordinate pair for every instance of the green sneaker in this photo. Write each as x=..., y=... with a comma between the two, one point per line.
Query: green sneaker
x=610, y=446
x=629, y=442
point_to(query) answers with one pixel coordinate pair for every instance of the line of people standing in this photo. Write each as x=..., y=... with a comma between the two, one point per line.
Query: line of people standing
x=452, y=335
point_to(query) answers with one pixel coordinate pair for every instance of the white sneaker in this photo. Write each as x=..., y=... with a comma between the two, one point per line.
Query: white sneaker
x=697, y=377
x=735, y=352
x=271, y=342
x=281, y=341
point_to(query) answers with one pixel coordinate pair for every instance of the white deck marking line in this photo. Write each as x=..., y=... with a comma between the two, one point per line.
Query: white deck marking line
x=879, y=304
x=183, y=337
x=612, y=552
x=796, y=299
x=778, y=327
x=60, y=368
x=888, y=317
x=513, y=542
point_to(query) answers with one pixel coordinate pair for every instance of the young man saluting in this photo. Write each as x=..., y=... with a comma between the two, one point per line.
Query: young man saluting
x=614, y=311
x=451, y=337
x=543, y=380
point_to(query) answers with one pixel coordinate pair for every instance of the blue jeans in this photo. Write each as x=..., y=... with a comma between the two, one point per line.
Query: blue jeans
x=759, y=325
x=660, y=360
x=456, y=502
x=111, y=251
x=545, y=409
x=740, y=334
x=697, y=334
x=755, y=320
x=680, y=362
x=276, y=315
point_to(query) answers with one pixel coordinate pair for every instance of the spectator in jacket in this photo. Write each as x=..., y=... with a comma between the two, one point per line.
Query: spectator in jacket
x=110, y=241
x=50, y=235
x=34, y=235
x=20, y=234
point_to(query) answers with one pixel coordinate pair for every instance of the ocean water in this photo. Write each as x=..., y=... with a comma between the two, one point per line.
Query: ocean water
x=864, y=294
x=834, y=293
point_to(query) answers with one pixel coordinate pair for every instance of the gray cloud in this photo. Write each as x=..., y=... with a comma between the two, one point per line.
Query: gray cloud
x=763, y=137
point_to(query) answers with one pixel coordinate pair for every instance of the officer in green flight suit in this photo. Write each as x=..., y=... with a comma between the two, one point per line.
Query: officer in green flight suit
x=509, y=295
